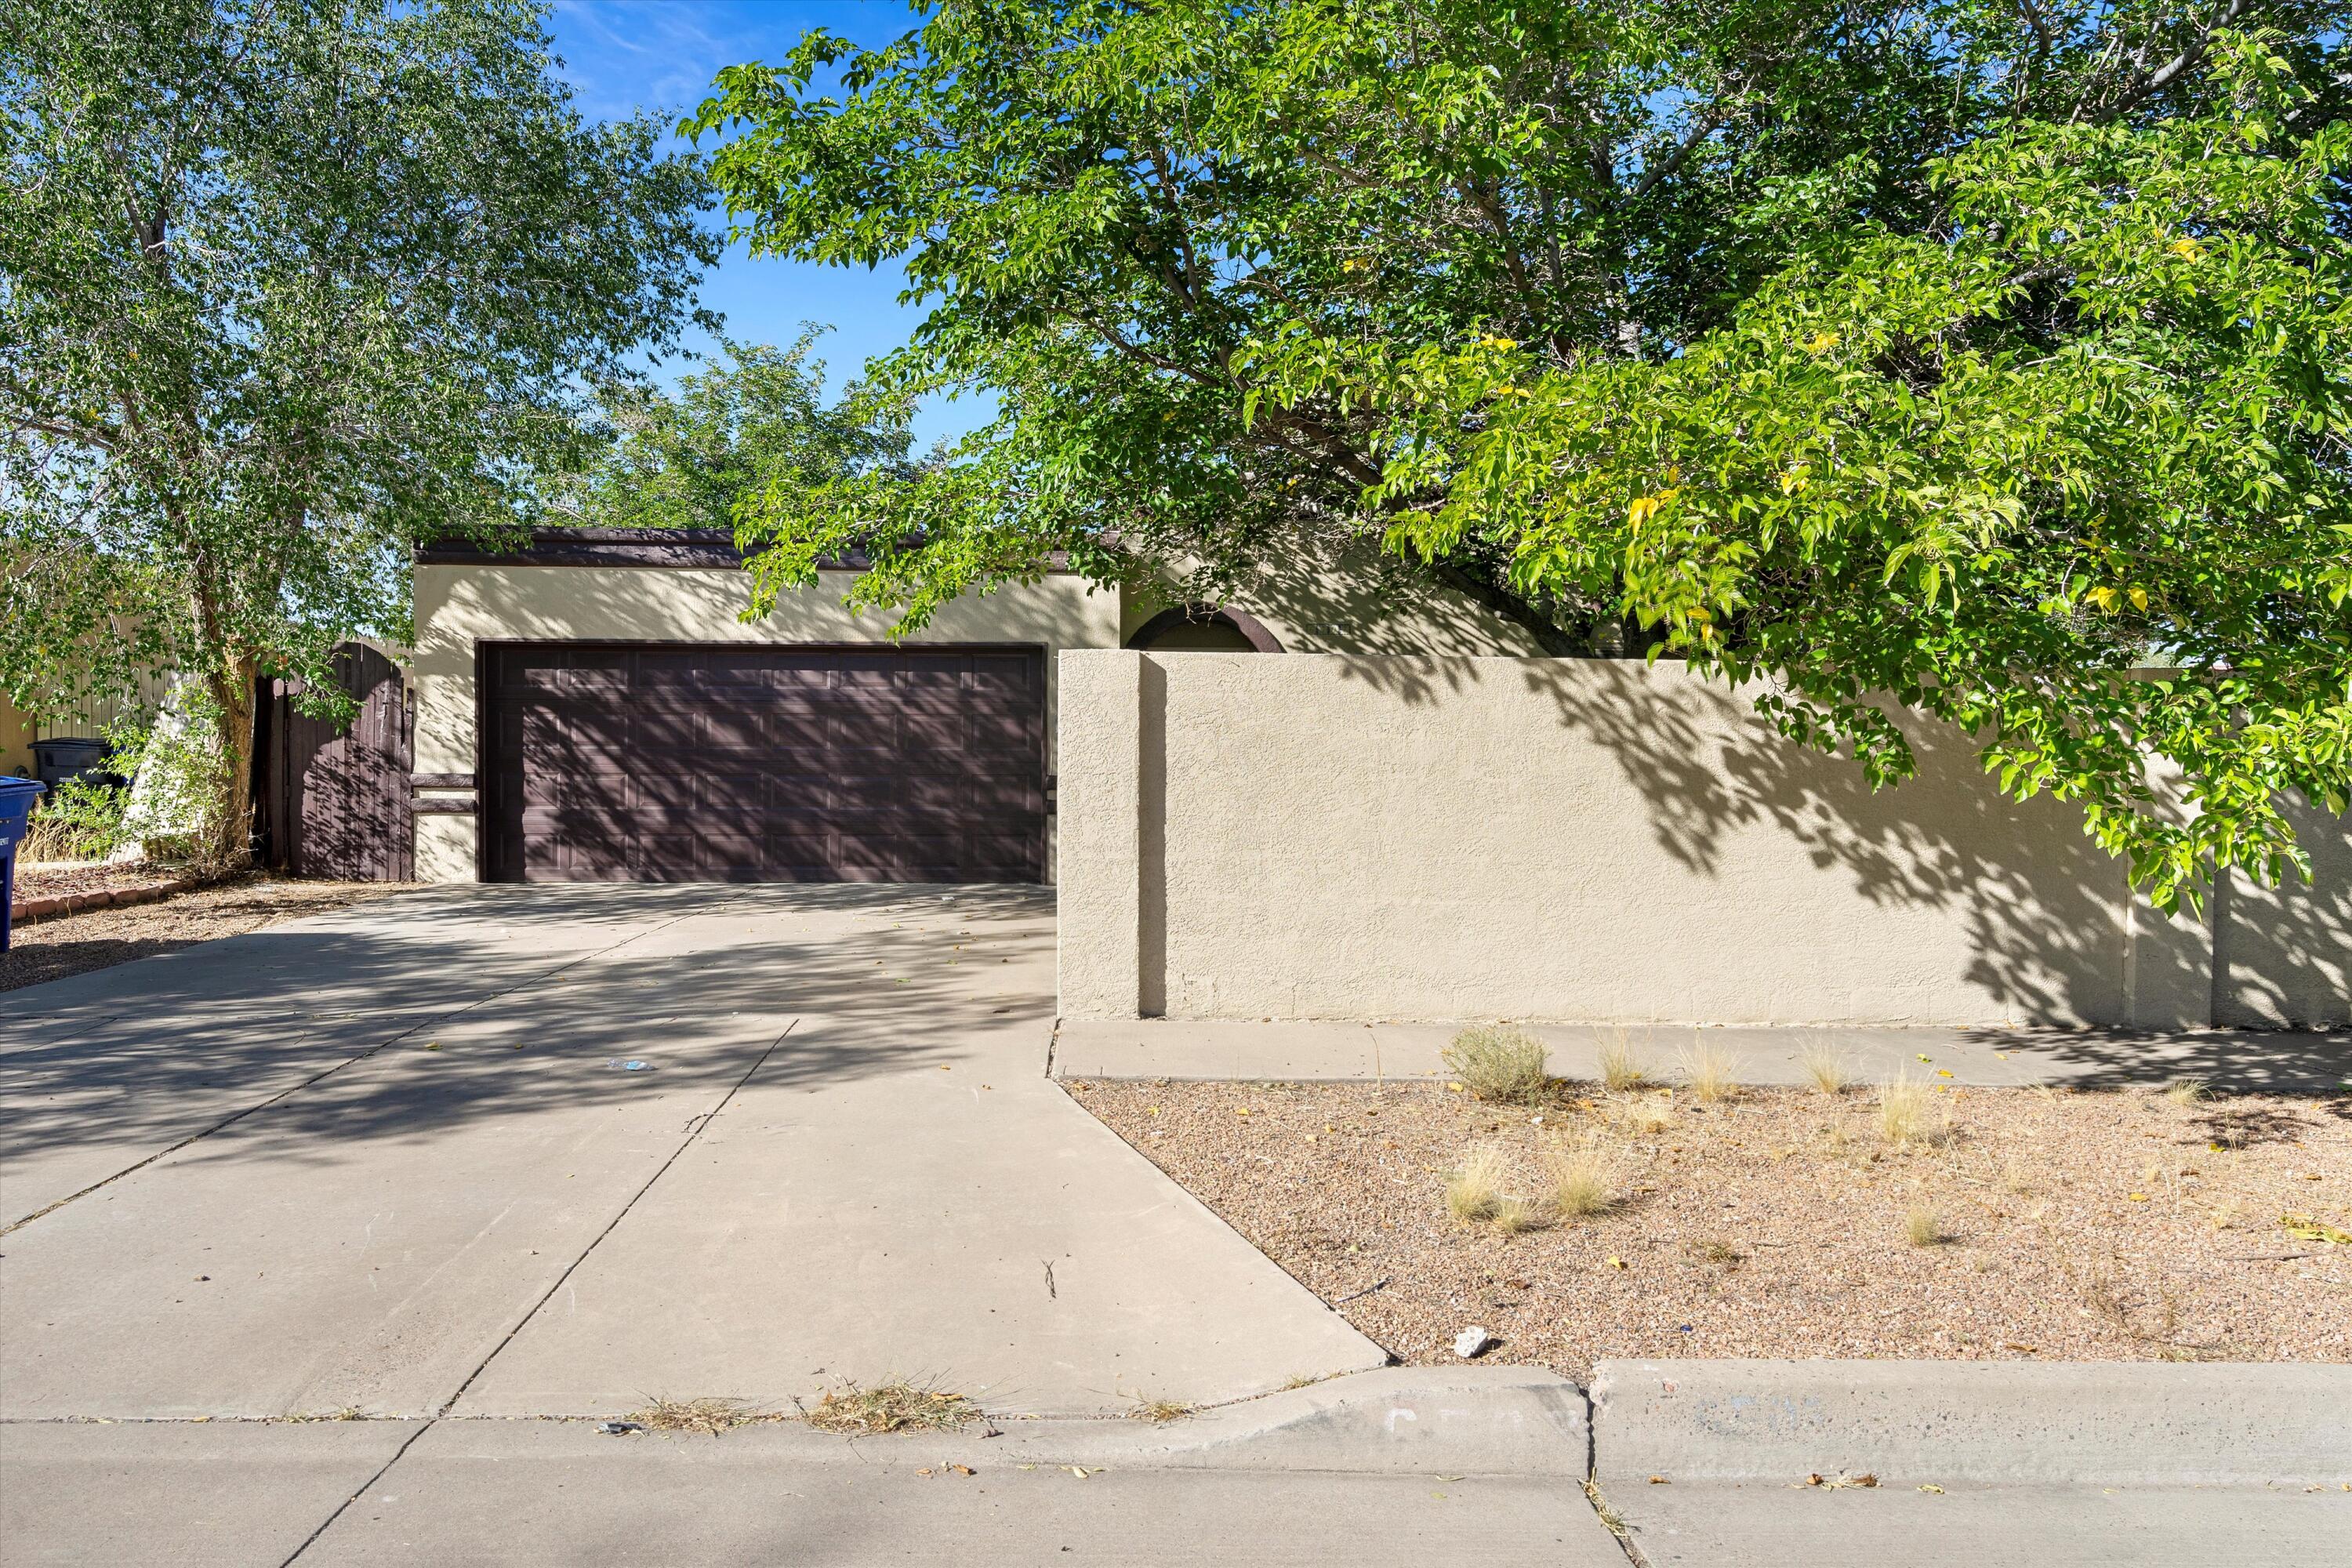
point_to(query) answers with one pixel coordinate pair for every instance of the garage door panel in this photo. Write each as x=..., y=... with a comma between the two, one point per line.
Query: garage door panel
x=725, y=794
x=999, y=733
x=741, y=724
x=760, y=763
x=1008, y=679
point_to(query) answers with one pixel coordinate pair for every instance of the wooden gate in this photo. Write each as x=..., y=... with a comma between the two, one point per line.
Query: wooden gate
x=334, y=800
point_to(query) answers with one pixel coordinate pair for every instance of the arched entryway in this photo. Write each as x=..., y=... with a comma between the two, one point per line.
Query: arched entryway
x=1204, y=628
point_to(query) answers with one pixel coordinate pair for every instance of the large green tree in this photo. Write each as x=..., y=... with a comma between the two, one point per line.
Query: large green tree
x=1463, y=277
x=284, y=286
x=751, y=429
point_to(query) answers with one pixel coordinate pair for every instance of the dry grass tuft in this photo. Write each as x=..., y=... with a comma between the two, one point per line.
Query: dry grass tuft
x=895, y=1406
x=1474, y=1189
x=2187, y=1091
x=1923, y=1226
x=707, y=1416
x=1647, y=1113
x=1611, y=1519
x=1618, y=1070
x=1159, y=1411
x=1517, y=1216
x=1583, y=1184
x=1708, y=1069
x=1499, y=1064
x=1826, y=1069
x=1904, y=1111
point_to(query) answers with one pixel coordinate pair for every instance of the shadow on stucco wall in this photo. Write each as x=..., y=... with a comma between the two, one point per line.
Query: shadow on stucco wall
x=2054, y=933
x=2283, y=955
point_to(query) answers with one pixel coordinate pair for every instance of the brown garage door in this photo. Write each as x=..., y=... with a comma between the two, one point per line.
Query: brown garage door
x=621, y=763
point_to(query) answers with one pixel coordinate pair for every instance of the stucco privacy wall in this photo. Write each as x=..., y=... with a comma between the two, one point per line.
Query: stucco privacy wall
x=459, y=605
x=1462, y=838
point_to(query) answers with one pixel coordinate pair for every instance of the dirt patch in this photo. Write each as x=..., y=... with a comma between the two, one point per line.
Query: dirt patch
x=2104, y=1225
x=54, y=947
x=67, y=879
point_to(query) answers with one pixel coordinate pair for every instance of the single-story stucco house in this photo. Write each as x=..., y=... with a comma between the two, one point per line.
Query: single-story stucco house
x=1323, y=799
x=594, y=707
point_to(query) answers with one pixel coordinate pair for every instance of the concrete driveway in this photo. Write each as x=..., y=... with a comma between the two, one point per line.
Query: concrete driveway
x=396, y=1159
x=398, y=1163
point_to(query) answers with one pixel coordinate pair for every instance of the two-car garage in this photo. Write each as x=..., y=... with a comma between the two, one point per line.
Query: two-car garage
x=600, y=707
x=733, y=763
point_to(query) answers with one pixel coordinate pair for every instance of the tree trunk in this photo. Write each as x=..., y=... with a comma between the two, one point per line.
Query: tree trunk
x=230, y=686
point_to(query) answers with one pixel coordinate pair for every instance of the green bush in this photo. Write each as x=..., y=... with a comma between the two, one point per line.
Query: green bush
x=1498, y=1063
x=79, y=819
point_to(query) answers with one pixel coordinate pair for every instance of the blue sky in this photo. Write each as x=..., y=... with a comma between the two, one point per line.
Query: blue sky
x=624, y=54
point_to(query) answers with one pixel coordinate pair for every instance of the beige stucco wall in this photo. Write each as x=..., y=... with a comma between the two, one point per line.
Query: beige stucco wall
x=2283, y=955
x=458, y=606
x=1398, y=837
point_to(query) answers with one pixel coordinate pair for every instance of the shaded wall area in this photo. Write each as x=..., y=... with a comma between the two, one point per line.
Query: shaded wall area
x=1328, y=837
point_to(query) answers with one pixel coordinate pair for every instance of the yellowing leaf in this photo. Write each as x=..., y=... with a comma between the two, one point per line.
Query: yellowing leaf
x=1820, y=342
x=2303, y=1227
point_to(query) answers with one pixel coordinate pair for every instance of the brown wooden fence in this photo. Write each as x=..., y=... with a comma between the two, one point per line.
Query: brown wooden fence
x=333, y=800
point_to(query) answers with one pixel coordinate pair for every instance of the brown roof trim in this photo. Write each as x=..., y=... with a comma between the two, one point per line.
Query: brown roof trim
x=625, y=547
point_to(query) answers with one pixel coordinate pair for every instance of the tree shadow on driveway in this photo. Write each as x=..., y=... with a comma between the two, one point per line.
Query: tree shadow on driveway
x=424, y=1013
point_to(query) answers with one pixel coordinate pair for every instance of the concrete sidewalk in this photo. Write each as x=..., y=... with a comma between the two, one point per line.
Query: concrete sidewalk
x=1763, y=1464
x=2240, y=1061
x=1402, y=1468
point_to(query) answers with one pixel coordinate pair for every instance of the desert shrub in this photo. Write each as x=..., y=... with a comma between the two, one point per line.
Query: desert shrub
x=81, y=819
x=1498, y=1063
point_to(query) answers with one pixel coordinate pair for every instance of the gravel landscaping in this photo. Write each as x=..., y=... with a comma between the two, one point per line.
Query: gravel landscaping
x=60, y=945
x=1784, y=1223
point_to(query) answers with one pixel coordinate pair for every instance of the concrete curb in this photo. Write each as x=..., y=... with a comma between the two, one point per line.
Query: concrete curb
x=105, y=899
x=2080, y=1424
x=1471, y=1421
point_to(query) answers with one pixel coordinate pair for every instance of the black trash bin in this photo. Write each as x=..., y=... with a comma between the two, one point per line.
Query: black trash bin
x=54, y=761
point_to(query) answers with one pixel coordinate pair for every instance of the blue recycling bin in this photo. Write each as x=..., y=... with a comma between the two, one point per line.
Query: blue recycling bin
x=17, y=798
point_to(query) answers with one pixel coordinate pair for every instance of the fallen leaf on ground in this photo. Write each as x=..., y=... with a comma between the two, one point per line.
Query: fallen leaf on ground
x=1931, y=1487
x=2303, y=1227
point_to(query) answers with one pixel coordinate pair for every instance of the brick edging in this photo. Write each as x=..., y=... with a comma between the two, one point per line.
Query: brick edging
x=104, y=898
